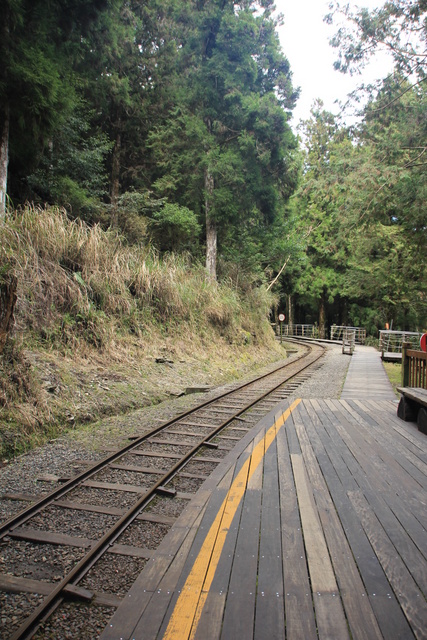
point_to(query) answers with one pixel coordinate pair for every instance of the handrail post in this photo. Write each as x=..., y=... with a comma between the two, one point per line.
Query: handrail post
x=405, y=364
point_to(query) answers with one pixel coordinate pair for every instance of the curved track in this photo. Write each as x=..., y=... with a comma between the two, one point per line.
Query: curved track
x=125, y=488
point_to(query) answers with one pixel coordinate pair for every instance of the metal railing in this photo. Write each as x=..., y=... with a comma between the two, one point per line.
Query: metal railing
x=300, y=330
x=348, y=340
x=392, y=341
x=337, y=333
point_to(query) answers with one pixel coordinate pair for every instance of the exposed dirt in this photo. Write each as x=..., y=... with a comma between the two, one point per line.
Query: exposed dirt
x=79, y=391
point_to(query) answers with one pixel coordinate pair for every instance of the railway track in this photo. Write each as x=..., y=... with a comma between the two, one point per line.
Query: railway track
x=79, y=548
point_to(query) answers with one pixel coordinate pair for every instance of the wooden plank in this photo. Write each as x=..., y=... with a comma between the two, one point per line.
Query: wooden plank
x=239, y=611
x=402, y=458
x=339, y=460
x=299, y=611
x=393, y=476
x=269, y=606
x=106, y=599
x=359, y=613
x=79, y=593
x=196, y=476
x=14, y=584
x=81, y=506
x=393, y=431
x=149, y=516
x=209, y=625
x=372, y=453
x=48, y=537
x=24, y=497
x=174, y=443
x=128, y=550
x=124, y=467
x=206, y=425
x=155, y=454
x=180, y=432
x=331, y=622
x=414, y=393
x=411, y=599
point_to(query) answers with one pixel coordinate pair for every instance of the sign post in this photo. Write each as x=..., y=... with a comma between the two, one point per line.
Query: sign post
x=281, y=319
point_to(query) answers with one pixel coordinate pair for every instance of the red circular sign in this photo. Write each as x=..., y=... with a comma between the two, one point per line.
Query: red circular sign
x=281, y=317
x=423, y=342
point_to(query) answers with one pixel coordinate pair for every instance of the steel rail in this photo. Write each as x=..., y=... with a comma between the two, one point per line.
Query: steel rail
x=67, y=486
x=56, y=596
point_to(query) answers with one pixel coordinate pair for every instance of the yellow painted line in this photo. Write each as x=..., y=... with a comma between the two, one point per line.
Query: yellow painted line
x=188, y=609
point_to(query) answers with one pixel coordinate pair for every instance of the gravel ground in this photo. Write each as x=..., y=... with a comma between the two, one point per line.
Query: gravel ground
x=66, y=625
x=64, y=457
x=113, y=576
x=328, y=380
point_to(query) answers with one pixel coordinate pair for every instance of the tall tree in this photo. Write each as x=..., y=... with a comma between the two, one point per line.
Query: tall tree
x=398, y=27
x=129, y=67
x=328, y=149
x=385, y=204
x=387, y=188
x=38, y=45
x=225, y=150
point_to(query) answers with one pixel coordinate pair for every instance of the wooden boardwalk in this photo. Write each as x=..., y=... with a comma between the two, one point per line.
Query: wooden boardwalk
x=313, y=527
x=366, y=377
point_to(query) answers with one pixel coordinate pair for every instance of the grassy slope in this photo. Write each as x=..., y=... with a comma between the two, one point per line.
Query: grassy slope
x=102, y=328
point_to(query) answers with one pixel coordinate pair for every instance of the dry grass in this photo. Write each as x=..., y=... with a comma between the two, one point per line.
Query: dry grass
x=86, y=297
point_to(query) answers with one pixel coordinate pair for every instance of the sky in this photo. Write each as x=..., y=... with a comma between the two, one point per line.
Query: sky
x=305, y=42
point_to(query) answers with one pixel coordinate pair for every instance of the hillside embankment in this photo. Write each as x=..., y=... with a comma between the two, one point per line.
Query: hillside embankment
x=101, y=327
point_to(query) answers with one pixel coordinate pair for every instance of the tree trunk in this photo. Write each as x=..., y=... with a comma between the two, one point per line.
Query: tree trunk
x=322, y=316
x=4, y=159
x=8, y=286
x=211, y=231
x=290, y=313
x=115, y=177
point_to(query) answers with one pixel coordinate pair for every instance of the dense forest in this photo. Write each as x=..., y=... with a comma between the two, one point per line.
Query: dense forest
x=168, y=122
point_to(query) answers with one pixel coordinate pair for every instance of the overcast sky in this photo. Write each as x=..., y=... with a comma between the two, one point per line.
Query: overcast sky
x=305, y=42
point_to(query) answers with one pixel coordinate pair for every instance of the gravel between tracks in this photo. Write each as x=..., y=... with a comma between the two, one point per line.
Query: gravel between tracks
x=64, y=457
x=328, y=380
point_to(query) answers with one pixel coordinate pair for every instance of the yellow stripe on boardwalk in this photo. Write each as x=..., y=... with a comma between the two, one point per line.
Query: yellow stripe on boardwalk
x=189, y=606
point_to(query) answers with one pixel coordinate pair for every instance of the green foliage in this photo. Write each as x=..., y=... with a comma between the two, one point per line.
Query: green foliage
x=162, y=120
x=230, y=124
x=361, y=199
x=174, y=228
x=71, y=171
x=398, y=27
x=39, y=47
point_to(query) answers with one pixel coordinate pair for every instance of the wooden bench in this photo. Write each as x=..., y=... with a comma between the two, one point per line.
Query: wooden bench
x=413, y=406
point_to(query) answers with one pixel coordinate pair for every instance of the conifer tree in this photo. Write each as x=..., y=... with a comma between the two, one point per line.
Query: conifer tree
x=39, y=44
x=224, y=149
